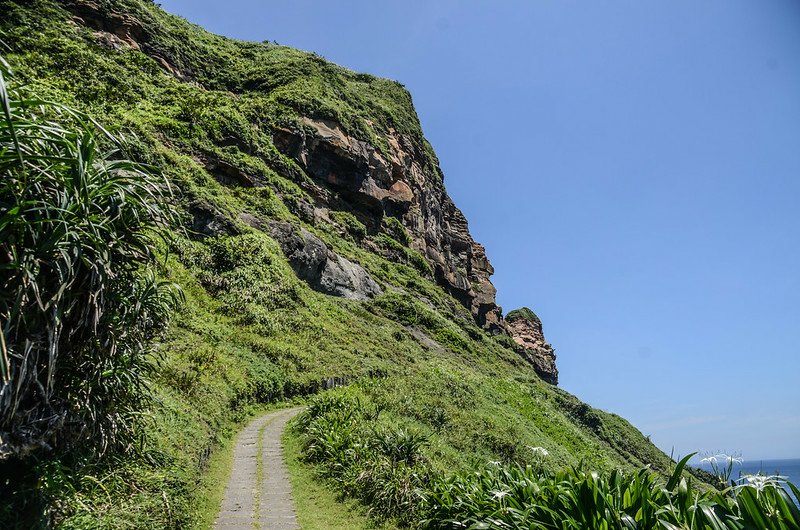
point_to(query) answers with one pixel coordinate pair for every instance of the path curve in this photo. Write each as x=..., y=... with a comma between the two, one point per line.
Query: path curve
x=259, y=500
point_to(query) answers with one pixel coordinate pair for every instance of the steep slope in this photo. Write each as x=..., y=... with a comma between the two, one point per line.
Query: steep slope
x=319, y=248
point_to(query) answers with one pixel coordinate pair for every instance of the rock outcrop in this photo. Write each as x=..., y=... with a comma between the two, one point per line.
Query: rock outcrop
x=404, y=182
x=323, y=270
x=526, y=329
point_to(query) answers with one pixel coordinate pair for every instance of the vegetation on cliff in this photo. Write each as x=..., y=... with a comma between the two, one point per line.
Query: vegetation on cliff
x=426, y=381
x=78, y=227
x=523, y=313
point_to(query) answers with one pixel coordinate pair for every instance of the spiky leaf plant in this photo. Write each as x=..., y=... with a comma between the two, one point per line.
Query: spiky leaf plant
x=78, y=297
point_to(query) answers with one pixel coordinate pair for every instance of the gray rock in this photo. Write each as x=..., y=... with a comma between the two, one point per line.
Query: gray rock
x=208, y=221
x=323, y=270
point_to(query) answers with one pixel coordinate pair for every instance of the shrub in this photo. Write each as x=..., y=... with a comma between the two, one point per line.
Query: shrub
x=351, y=224
x=79, y=298
x=381, y=466
x=396, y=230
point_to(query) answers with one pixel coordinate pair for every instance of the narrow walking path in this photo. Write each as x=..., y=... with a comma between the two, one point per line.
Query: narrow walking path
x=259, y=494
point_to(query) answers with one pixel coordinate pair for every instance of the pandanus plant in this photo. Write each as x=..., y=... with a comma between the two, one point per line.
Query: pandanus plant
x=78, y=295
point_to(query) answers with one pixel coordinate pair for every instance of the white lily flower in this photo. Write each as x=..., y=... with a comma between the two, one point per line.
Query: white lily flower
x=759, y=481
x=539, y=451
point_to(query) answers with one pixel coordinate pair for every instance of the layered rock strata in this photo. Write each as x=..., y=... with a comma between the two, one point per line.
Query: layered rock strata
x=402, y=182
x=526, y=329
x=402, y=179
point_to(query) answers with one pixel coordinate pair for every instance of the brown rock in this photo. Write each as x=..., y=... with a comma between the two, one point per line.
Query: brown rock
x=526, y=329
x=403, y=183
x=116, y=27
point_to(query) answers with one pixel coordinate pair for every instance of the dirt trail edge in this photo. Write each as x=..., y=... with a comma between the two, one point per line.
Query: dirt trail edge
x=259, y=494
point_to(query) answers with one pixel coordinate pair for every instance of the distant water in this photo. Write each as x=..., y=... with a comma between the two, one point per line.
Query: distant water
x=789, y=468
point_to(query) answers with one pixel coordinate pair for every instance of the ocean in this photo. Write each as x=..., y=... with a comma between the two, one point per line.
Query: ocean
x=789, y=468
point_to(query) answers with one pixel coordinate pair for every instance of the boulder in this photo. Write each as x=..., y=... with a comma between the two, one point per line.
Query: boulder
x=323, y=270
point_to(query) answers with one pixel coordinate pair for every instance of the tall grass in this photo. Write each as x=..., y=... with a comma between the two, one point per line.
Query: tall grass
x=388, y=471
x=381, y=466
x=78, y=296
x=516, y=497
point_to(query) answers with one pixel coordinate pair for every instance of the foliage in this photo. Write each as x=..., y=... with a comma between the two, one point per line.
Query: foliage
x=523, y=313
x=380, y=465
x=395, y=229
x=79, y=298
x=722, y=467
x=391, y=472
x=516, y=497
x=351, y=224
x=407, y=255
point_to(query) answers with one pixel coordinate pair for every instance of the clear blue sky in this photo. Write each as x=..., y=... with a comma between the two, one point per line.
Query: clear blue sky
x=633, y=169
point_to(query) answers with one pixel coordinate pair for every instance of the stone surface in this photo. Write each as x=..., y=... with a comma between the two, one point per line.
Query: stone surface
x=406, y=183
x=526, y=329
x=320, y=267
x=114, y=29
x=207, y=221
x=252, y=503
x=119, y=30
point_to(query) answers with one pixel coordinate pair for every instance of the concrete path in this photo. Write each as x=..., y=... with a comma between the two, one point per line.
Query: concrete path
x=259, y=497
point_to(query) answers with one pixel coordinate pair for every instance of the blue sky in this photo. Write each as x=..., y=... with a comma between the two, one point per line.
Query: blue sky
x=633, y=169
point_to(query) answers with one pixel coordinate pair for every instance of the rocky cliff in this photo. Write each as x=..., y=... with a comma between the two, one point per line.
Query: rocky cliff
x=526, y=329
x=403, y=181
x=390, y=174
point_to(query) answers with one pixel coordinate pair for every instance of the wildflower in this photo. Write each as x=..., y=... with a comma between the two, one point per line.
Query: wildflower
x=759, y=481
x=498, y=495
x=494, y=462
x=730, y=460
x=539, y=451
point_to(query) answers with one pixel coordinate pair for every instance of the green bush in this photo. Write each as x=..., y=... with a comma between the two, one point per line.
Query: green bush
x=396, y=230
x=80, y=298
x=381, y=465
x=351, y=224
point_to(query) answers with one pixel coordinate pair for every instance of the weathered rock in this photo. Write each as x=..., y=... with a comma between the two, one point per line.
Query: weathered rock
x=320, y=267
x=119, y=30
x=115, y=29
x=405, y=183
x=526, y=329
x=207, y=221
x=230, y=175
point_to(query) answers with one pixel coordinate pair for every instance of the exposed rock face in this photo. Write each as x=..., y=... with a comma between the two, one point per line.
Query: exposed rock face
x=115, y=29
x=526, y=329
x=324, y=270
x=405, y=183
x=118, y=30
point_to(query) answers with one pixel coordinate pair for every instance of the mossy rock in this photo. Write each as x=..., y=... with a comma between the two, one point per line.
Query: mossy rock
x=523, y=313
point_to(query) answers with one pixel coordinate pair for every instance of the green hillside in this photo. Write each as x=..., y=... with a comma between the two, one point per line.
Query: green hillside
x=413, y=360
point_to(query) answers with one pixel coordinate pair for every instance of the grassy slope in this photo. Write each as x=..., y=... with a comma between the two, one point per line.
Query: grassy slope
x=251, y=333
